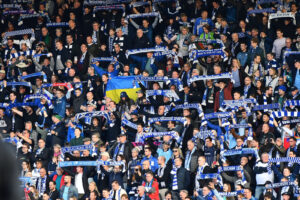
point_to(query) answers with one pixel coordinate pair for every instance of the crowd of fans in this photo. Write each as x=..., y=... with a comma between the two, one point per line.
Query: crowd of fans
x=187, y=142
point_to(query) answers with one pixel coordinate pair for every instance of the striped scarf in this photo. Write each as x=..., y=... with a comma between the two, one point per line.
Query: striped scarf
x=174, y=181
x=282, y=159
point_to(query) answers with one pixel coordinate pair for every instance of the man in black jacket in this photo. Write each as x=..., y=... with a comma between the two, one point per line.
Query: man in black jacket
x=57, y=131
x=180, y=178
x=141, y=41
x=5, y=124
x=121, y=147
x=42, y=183
x=84, y=61
x=42, y=153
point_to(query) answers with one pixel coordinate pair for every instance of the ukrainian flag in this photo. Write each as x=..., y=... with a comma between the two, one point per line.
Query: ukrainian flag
x=119, y=84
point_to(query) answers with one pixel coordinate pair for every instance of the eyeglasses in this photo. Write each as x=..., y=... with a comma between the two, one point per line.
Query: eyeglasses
x=175, y=151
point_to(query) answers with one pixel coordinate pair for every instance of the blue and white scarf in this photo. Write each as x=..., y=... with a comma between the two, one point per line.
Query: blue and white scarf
x=292, y=103
x=234, y=104
x=107, y=2
x=190, y=105
x=212, y=77
x=281, y=15
x=164, y=119
x=139, y=4
x=18, y=32
x=267, y=1
x=39, y=96
x=89, y=163
x=108, y=7
x=103, y=59
x=76, y=148
x=22, y=17
x=17, y=12
x=57, y=24
x=203, y=134
x=257, y=11
x=89, y=115
x=217, y=115
x=35, y=75
x=145, y=50
x=41, y=185
x=282, y=159
x=174, y=181
x=292, y=121
x=144, y=15
x=167, y=93
x=281, y=184
x=287, y=53
x=231, y=194
x=202, y=53
x=14, y=6
x=280, y=114
x=173, y=134
x=268, y=107
x=233, y=152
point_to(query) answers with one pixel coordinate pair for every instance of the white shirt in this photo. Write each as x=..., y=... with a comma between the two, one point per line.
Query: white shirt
x=79, y=183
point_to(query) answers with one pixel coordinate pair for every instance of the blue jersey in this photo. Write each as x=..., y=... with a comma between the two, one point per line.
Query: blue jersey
x=199, y=23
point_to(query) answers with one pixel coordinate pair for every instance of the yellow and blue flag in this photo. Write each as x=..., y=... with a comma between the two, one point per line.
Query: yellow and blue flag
x=119, y=84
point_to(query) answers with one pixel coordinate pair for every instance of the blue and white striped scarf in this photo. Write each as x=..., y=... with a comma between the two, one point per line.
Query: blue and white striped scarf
x=164, y=119
x=173, y=134
x=144, y=15
x=57, y=24
x=18, y=32
x=202, y=53
x=292, y=103
x=89, y=115
x=212, y=77
x=174, y=181
x=190, y=105
x=167, y=93
x=27, y=84
x=280, y=114
x=282, y=159
x=35, y=75
x=145, y=50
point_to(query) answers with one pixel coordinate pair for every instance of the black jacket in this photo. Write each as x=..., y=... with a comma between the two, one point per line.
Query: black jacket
x=127, y=150
x=183, y=179
x=44, y=156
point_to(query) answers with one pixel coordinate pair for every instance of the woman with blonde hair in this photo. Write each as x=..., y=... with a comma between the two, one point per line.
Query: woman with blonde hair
x=237, y=73
x=92, y=188
x=227, y=188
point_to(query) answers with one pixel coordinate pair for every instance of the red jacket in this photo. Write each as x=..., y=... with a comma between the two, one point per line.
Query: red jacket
x=62, y=182
x=227, y=96
x=155, y=195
